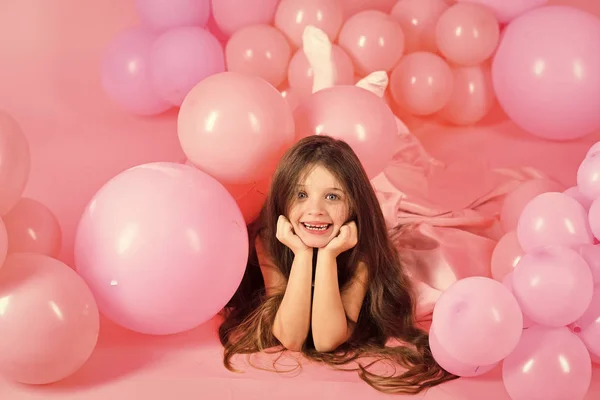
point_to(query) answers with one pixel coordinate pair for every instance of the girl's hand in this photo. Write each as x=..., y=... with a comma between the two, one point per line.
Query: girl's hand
x=345, y=240
x=286, y=235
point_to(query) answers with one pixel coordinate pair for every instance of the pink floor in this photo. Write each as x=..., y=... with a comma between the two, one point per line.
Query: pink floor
x=50, y=51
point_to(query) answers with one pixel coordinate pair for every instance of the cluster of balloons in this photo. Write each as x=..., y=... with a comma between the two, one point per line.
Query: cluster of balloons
x=540, y=314
x=49, y=320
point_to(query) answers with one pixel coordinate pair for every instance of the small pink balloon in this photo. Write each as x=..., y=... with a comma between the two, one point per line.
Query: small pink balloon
x=588, y=177
x=293, y=16
x=49, y=323
x=553, y=219
x=33, y=228
x=422, y=83
x=478, y=321
x=472, y=96
x=553, y=284
x=161, y=15
x=355, y=115
x=352, y=7
x=548, y=363
x=587, y=327
x=507, y=10
x=515, y=201
x=181, y=58
x=418, y=19
x=259, y=50
x=172, y=253
x=300, y=73
x=125, y=73
x=591, y=255
x=235, y=127
x=3, y=242
x=508, y=282
x=575, y=193
x=467, y=34
x=233, y=15
x=452, y=365
x=15, y=162
x=506, y=255
x=374, y=40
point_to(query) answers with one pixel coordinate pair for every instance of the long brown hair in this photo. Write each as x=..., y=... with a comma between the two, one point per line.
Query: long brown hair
x=388, y=309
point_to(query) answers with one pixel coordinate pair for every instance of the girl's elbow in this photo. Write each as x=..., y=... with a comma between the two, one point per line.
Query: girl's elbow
x=290, y=343
x=327, y=345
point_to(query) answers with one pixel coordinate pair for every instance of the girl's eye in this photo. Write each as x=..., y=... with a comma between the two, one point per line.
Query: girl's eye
x=301, y=195
x=332, y=196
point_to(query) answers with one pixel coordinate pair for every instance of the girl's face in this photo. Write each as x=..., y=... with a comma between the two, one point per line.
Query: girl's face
x=319, y=208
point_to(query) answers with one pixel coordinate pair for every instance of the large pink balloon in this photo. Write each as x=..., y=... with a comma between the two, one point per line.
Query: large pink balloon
x=548, y=363
x=553, y=218
x=33, y=228
x=235, y=127
x=478, y=321
x=125, y=72
x=49, y=322
x=233, y=15
x=355, y=115
x=15, y=162
x=553, y=284
x=506, y=255
x=418, y=19
x=507, y=10
x=546, y=72
x=182, y=57
x=163, y=247
x=163, y=15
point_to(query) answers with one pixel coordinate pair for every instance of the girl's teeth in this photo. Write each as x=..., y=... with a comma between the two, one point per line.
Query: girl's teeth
x=316, y=227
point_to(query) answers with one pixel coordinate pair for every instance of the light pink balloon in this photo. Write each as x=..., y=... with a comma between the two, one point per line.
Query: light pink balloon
x=472, y=96
x=422, y=83
x=452, y=365
x=162, y=15
x=235, y=127
x=374, y=40
x=546, y=72
x=515, y=201
x=548, y=363
x=553, y=284
x=575, y=193
x=125, y=73
x=33, y=228
x=507, y=10
x=587, y=328
x=163, y=247
x=418, y=19
x=3, y=242
x=292, y=16
x=467, y=34
x=300, y=74
x=182, y=57
x=292, y=98
x=593, y=218
x=355, y=115
x=588, y=177
x=15, y=162
x=352, y=7
x=591, y=255
x=508, y=282
x=506, y=255
x=233, y=15
x=553, y=219
x=49, y=323
x=478, y=321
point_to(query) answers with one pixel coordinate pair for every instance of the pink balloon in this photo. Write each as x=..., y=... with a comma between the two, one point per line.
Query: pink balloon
x=182, y=57
x=126, y=73
x=553, y=219
x=506, y=255
x=163, y=247
x=259, y=50
x=418, y=19
x=291, y=97
x=374, y=40
x=467, y=34
x=33, y=228
x=472, y=96
x=478, y=321
x=355, y=115
x=515, y=201
x=452, y=365
x=587, y=327
x=546, y=72
x=591, y=255
x=292, y=16
x=548, y=363
x=49, y=323
x=3, y=242
x=235, y=127
x=594, y=149
x=588, y=177
x=351, y=7
x=300, y=74
x=15, y=162
x=508, y=282
x=162, y=15
x=422, y=83
x=553, y=284
x=507, y=10
x=594, y=218
x=233, y=15
x=575, y=193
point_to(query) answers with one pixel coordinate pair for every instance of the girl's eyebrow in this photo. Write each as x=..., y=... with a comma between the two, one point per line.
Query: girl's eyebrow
x=329, y=188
